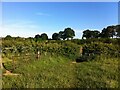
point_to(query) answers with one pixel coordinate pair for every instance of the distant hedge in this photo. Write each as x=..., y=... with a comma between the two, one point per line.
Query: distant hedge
x=101, y=48
x=68, y=48
x=65, y=48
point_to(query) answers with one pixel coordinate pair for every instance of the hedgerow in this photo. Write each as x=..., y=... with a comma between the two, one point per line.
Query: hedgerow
x=68, y=48
x=65, y=48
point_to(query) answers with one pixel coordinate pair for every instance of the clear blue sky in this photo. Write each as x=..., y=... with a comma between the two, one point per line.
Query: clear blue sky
x=28, y=19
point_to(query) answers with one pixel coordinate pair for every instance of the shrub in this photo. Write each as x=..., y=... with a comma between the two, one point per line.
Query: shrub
x=101, y=48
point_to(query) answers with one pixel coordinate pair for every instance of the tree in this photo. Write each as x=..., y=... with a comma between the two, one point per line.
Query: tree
x=8, y=37
x=86, y=34
x=69, y=33
x=90, y=34
x=111, y=31
x=44, y=36
x=118, y=30
x=55, y=36
x=108, y=32
x=61, y=35
x=95, y=34
x=104, y=34
x=37, y=37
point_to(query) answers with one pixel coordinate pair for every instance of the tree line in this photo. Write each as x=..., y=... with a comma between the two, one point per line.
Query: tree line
x=109, y=32
x=69, y=33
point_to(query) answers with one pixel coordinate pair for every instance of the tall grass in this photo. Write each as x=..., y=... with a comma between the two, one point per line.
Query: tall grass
x=48, y=72
x=101, y=73
x=59, y=72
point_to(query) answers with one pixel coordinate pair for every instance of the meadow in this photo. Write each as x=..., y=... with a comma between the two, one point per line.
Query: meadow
x=59, y=69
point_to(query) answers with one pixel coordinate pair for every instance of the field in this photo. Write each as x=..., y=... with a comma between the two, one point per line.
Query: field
x=60, y=72
x=60, y=45
x=54, y=70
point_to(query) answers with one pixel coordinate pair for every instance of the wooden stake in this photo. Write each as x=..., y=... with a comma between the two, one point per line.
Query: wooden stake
x=13, y=63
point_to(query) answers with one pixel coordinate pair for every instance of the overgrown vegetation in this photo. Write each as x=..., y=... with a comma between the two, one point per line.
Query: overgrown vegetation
x=56, y=67
x=59, y=63
x=60, y=72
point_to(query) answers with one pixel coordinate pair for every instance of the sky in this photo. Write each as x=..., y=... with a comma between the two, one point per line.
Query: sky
x=26, y=19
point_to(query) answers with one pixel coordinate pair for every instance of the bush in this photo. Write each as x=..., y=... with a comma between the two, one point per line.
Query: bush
x=101, y=48
x=19, y=47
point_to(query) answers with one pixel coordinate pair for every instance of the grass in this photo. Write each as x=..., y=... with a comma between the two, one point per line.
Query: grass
x=60, y=72
x=98, y=74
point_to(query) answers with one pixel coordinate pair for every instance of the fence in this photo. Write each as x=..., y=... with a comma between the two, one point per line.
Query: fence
x=19, y=60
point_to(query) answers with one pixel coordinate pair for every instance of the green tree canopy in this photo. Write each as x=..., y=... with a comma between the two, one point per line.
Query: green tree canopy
x=55, y=36
x=118, y=30
x=44, y=36
x=69, y=33
x=90, y=34
x=37, y=37
x=95, y=34
x=61, y=35
x=108, y=32
x=8, y=37
x=86, y=34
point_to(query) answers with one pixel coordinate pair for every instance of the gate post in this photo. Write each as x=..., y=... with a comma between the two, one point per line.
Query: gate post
x=38, y=54
x=13, y=63
x=81, y=51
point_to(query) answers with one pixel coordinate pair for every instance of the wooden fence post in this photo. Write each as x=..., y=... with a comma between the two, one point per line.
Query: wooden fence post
x=81, y=50
x=1, y=66
x=38, y=54
x=13, y=63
